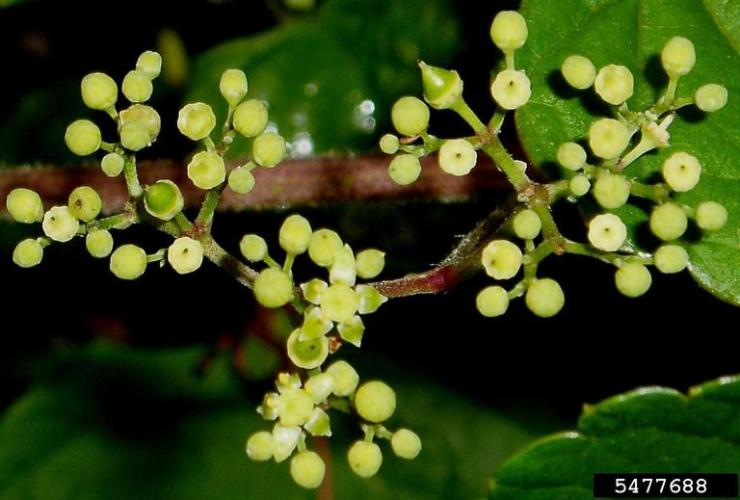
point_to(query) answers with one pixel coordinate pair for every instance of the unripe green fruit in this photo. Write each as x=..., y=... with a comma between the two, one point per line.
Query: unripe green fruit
x=410, y=116
x=28, y=253
x=307, y=469
x=492, y=301
x=233, y=86
x=344, y=378
x=134, y=136
x=681, y=171
x=196, y=121
x=501, y=259
x=442, y=87
x=260, y=446
x=307, y=354
x=571, y=156
x=406, y=444
x=185, y=255
x=295, y=234
x=375, y=401
x=250, y=118
x=313, y=290
x=668, y=221
x=295, y=407
x=207, y=170
x=319, y=386
x=241, y=180
x=268, y=149
x=112, y=164
x=527, y=224
x=678, y=56
x=370, y=299
x=352, y=330
x=273, y=288
x=163, y=199
x=579, y=185
x=144, y=115
x=253, y=247
x=99, y=91
x=457, y=157
x=611, y=191
x=150, y=64
x=365, y=458
x=339, y=303
x=25, y=206
x=710, y=97
x=607, y=232
x=670, y=259
x=82, y=137
x=324, y=245
x=343, y=270
x=608, y=137
x=544, y=297
x=711, y=216
x=128, y=262
x=633, y=279
x=370, y=263
x=60, y=224
x=137, y=86
x=389, y=144
x=578, y=71
x=85, y=203
x=99, y=243
x=404, y=169
x=614, y=84
x=511, y=89
x=285, y=440
x=509, y=30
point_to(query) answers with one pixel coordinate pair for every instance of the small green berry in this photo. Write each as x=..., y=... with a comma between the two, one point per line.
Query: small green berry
x=60, y=224
x=85, y=203
x=273, y=288
x=607, y=232
x=128, y=262
x=99, y=91
x=711, y=216
x=571, y=156
x=404, y=169
x=678, y=56
x=608, y=137
x=323, y=247
x=352, y=330
x=163, y=200
x=112, y=164
x=185, y=255
x=241, y=180
x=509, y=30
x=150, y=64
x=253, y=247
x=365, y=458
x=614, y=84
x=633, y=279
x=344, y=268
x=285, y=440
x=319, y=386
x=681, y=171
x=196, y=121
x=406, y=444
x=295, y=234
x=389, y=144
x=207, y=170
x=375, y=401
x=134, y=136
x=544, y=297
x=457, y=157
x=344, y=378
x=611, y=191
x=307, y=354
x=313, y=290
x=578, y=71
x=410, y=116
x=25, y=206
x=710, y=97
x=511, y=89
x=579, y=185
x=527, y=224
x=137, y=86
x=28, y=253
x=492, y=301
x=268, y=149
x=144, y=115
x=295, y=407
x=250, y=118
x=370, y=299
x=370, y=263
x=442, y=87
x=260, y=446
x=307, y=469
x=233, y=86
x=339, y=303
x=99, y=243
x=668, y=221
x=82, y=137
x=670, y=259
x=501, y=259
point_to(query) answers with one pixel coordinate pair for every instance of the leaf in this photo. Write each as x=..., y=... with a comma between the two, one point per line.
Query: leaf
x=632, y=33
x=652, y=429
x=113, y=422
x=330, y=80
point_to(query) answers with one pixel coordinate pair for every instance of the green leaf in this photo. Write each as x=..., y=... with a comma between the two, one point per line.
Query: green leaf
x=330, y=80
x=632, y=33
x=112, y=422
x=652, y=429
